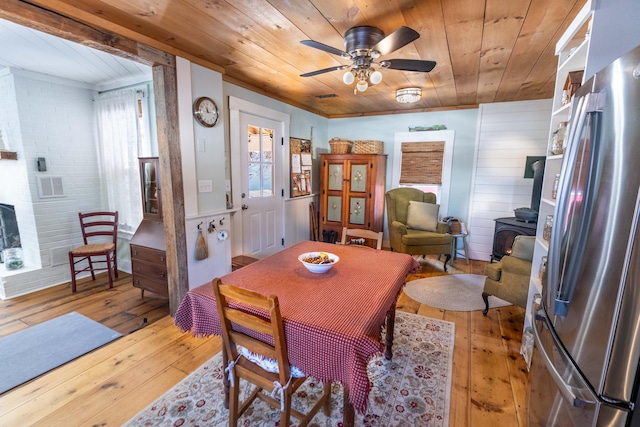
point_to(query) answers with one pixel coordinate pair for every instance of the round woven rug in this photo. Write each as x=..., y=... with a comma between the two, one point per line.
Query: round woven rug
x=456, y=292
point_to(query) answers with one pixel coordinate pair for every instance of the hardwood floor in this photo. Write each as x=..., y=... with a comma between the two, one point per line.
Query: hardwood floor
x=111, y=384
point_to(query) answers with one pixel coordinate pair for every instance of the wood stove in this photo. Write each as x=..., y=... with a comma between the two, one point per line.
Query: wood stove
x=508, y=228
x=505, y=232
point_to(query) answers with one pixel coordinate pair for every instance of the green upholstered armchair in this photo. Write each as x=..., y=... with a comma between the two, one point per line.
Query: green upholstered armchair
x=414, y=241
x=509, y=278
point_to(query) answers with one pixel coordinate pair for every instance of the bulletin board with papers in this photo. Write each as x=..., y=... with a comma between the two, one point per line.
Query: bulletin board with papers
x=301, y=162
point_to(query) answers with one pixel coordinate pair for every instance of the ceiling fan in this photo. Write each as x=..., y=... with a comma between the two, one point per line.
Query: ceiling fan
x=364, y=45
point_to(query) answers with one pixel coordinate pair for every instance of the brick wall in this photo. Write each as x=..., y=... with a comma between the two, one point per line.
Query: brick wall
x=54, y=119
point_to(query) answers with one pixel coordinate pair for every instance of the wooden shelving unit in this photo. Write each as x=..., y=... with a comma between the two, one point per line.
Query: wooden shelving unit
x=572, y=51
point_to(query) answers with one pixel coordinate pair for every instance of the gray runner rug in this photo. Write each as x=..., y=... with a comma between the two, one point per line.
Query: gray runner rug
x=29, y=353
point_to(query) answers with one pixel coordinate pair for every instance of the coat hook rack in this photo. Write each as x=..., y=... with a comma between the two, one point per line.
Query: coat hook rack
x=212, y=227
x=200, y=225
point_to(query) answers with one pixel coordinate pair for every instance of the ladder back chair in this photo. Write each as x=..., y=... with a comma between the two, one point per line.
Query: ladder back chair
x=359, y=233
x=99, y=233
x=259, y=362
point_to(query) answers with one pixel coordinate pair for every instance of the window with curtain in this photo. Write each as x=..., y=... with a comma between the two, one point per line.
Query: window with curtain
x=421, y=163
x=122, y=139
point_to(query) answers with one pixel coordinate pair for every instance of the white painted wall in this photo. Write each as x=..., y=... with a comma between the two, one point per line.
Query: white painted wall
x=614, y=32
x=507, y=132
x=305, y=125
x=51, y=118
x=383, y=128
x=212, y=163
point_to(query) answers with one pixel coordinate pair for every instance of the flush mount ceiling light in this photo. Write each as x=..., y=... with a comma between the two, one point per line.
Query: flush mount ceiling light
x=363, y=46
x=408, y=95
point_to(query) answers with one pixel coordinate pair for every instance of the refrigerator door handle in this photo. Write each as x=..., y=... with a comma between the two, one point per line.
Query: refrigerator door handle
x=586, y=105
x=580, y=396
x=553, y=267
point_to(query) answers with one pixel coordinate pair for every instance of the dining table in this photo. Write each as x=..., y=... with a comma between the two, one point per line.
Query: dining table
x=333, y=321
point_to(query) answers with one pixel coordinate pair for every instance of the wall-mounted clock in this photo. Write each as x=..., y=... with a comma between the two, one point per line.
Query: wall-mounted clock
x=205, y=111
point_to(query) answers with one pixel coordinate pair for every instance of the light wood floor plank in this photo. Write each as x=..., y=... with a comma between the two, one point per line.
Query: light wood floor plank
x=31, y=391
x=64, y=387
x=511, y=321
x=96, y=393
x=459, y=415
x=110, y=385
x=129, y=404
x=491, y=397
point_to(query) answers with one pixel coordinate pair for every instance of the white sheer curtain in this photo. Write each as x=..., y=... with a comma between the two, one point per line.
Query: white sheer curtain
x=120, y=139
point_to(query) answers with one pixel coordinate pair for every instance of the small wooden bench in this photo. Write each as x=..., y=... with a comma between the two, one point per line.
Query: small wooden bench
x=241, y=261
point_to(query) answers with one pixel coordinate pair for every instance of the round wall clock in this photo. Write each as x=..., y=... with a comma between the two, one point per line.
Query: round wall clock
x=205, y=111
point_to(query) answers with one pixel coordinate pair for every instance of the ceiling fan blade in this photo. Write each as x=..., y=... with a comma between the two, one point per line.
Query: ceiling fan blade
x=324, y=47
x=394, y=41
x=324, y=70
x=409, y=65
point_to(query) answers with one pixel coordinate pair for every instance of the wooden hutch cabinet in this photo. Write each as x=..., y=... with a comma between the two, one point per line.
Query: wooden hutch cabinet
x=352, y=192
x=148, y=250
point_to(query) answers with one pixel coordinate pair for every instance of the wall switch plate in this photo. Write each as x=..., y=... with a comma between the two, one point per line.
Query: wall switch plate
x=201, y=145
x=205, y=186
x=42, y=164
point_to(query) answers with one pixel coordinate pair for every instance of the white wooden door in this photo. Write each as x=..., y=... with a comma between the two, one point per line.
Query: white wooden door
x=262, y=197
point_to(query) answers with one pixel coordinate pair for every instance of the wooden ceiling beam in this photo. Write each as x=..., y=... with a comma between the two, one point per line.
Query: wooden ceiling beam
x=41, y=19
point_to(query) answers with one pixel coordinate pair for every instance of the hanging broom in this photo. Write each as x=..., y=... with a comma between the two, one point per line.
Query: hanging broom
x=202, y=251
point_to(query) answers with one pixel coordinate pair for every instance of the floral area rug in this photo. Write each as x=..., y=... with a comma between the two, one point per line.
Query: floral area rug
x=412, y=389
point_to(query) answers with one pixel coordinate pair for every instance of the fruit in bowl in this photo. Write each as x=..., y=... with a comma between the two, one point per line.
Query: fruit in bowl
x=318, y=262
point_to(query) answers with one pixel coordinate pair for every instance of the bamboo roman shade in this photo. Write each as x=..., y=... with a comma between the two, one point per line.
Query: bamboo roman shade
x=422, y=163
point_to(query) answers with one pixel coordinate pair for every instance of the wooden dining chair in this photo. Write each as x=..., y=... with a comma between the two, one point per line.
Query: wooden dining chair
x=261, y=363
x=362, y=234
x=100, y=234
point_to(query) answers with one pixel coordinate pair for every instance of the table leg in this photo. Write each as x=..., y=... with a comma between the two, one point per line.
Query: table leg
x=348, y=414
x=391, y=320
x=225, y=378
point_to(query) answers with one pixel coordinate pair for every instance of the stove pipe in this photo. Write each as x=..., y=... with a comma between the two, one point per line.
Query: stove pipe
x=538, y=172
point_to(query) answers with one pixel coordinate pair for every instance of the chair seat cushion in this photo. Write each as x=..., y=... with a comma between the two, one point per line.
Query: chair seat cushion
x=96, y=248
x=422, y=238
x=268, y=364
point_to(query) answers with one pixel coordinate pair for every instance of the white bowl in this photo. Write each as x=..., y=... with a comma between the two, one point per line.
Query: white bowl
x=318, y=268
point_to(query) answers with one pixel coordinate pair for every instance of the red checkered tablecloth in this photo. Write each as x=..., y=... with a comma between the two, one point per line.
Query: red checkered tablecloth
x=332, y=320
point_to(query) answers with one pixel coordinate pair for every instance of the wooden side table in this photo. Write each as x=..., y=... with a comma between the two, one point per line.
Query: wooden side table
x=454, y=246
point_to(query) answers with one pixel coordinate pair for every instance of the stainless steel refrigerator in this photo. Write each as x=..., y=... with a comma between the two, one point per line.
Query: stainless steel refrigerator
x=584, y=369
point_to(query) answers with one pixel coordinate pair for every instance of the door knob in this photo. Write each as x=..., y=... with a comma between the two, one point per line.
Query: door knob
x=245, y=207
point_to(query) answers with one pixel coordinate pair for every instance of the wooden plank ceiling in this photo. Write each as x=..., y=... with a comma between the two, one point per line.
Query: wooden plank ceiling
x=486, y=50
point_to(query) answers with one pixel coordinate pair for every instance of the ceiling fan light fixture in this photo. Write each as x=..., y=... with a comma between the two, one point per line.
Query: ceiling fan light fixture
x=362, y=85
x=375, y=77
x=408, y=95
x=348, y=78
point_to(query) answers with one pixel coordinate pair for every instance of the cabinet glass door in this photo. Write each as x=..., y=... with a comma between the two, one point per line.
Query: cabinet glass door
x=334, y=208
x=358, y=178
x=150, y=188
x=335, y=177
x=357, y=210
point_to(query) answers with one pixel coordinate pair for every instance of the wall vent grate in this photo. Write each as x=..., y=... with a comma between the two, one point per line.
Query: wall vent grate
x=50, y=186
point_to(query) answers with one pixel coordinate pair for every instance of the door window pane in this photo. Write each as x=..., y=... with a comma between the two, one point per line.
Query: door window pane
x=261, y=168
x=267, y=180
